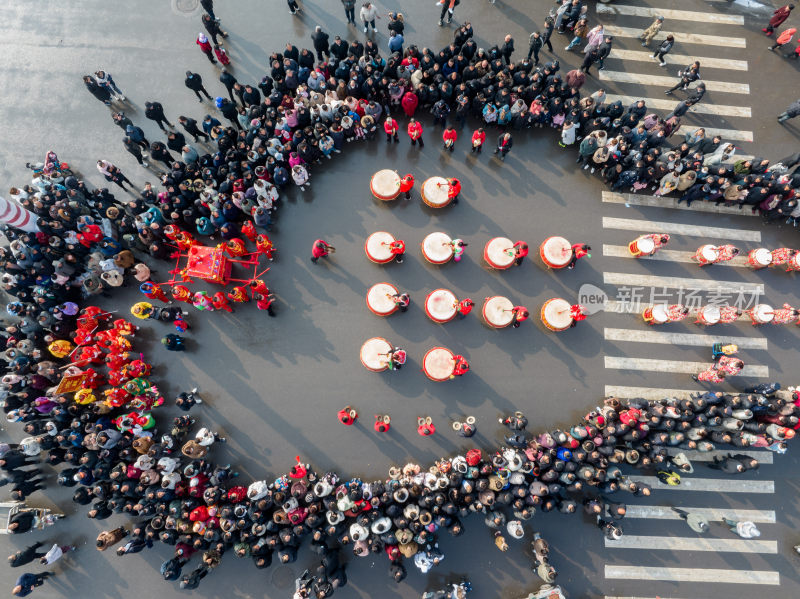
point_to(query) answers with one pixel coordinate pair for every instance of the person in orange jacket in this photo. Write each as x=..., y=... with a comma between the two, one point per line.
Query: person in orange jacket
x=449, y=137
x=406, y=185
x=453, y=189
x=784, y=38
x=390, y=127
x=415, y=132
x=477, y=140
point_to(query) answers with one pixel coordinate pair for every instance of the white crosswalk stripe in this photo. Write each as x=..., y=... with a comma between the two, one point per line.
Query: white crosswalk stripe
x=763, y=456
x=675, y=366
x=667, y=82
x=665, y=512
x=767, y=577
x=728, y=134
x=684, y=38
x=649, y=226
x=666, y=105
x=676, y=15
x=655, y=282
x=659, y=543
x=662, y=338
x=680, y=59
x=713, y=485
x=621, y=251
x=631, y=199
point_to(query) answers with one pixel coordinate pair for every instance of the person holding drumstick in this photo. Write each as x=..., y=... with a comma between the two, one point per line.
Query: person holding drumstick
x=402, y=300
x=464, y=307
x=406, y=185
x=397, y=357
x=398, y=248
x=579, y=250
x=461, y=366
x=520, y=251
x=453, y=189
x=321, y=249
x=521, y=314
x=658, y=239
x=577, y=313
x=458, y=246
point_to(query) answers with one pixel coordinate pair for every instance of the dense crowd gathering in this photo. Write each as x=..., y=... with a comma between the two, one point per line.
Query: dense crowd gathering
x=121, y=458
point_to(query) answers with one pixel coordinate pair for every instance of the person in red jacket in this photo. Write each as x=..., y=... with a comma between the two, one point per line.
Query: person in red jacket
x=579, y=250
x=449, y=137
x=264, y=302
x=205, y=46
x=320, y=249
x=778, y=17
x=453, y=189
x=397, y=249
x=520, y=251
x=239, y=294
x=520, y=315
x=406, y=185
x=461, y=366
x=382, y=423
x=578, y=313
x=390, y=126
x=347, y=416
x=220, y=302
x=477, y=140
x=425, y=426
x=464, y=307
x=415, y=133
x=409, y=103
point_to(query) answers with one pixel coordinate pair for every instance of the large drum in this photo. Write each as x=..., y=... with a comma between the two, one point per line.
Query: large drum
x=641, y=246
x=555, y=314
x=761, y=314
x=375, y=354
x=708, y=315
x=438, y=364
x=434, y=192
x=497, y=311
x=385, y=185
x=440, y=305
x=436, y=248
x=379, y=299
x=499, y=253
x=377, y=247
x=706, y=254
x=656, y=314
x=794, y=263
x=759, y=258
x=555, y=252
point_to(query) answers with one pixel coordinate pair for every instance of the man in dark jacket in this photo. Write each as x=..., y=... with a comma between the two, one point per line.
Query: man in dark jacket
x=27, y=582
x=190, y=126
x=320, y=39
x=791, y=112
x=688, y=76
x=504, y=143
x=25, y=556
x=208, y=6
x=228, y=81
x=339, y=48
x=536, y=43
x=507, y=49
x=155, y=112
x=195, y=83
x=213, y=28
x=229, y=111
x=250, y=96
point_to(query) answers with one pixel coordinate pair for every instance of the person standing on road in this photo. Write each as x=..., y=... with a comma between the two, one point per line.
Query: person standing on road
x=448, y=8
x=321, y=44
x=791, y=112
x=213, y=28
x=784, y=38
x=368, y=14
x=535, y=44
x=205, y=47
x=504, y=143
x=695, y=521
x=99, y=92
x=663, y=50
x=55, y=553
x=113, y=174
x=507, y=49
x=195, y=83
x=27, y=582
x=190, y=126
x=350, y=11
x=155, y=112
x=321, y=249
x=778, y=17
x=687, y=76
x=414, y=130
x=134, y=148
x=549, y=25
x=104, y=79
x=649, y=33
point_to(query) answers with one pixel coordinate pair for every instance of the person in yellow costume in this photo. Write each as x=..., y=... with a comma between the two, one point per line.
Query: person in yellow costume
x=60, y=348
x=85, y=397
x=142, y=310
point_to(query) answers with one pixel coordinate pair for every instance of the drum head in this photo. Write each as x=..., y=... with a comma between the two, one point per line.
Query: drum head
x=556, y=251
x=499, y=252
x=438, y=364
x=709, y=253
x=379, y=300
x=385, y=184
x=645, y=245
x=374, y=354
x=497, y=311
x=377, y=247
x=440, y=305
x=660, y=313
x=763, y=313
x=555, y=314
x=711, y=314
x=436, y=248
x=434, y=192
x=762, y=256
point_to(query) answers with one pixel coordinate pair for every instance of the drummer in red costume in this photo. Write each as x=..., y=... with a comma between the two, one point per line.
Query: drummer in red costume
x=579, y=250
x=677, y=312
x=453, y=189
x=406, y=185
x=397, y=357
x=239, y=294
x=265, y=246
x=258, y=286
x=782, y=256
x=461, y=366
x=181, y=293
x=729, y=314
x=521, y=314
x=264, y=302
x=402, y=300
x=398, y=248
x=184, y=241
x=249, y=230
x=347, y=416
x=477, y=140
x=577, y=313
x=726, y=252
x=390, y=127
x=520, y=251
x=464, y=307
x=785, y=315
x=235, y=248
x=425, y=427
x=220, y=302
x=382, y=423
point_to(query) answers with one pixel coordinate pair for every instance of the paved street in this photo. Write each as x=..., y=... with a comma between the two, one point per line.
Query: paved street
x=274, y=385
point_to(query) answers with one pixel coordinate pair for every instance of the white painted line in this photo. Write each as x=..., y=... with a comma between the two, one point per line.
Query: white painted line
x=651, y=336
x=726, y=134
x=631, y=199
x=652, y=281
x=675, y=366
x=667, y=105
x=657, y=543
x=668, y=81
x=684, y=38
x=650, y=226
x=679, y=59
x=665, y=512
x=678, y=15
x=621, y=251
x=769, y=577
x=763, y=456
x=715, y=485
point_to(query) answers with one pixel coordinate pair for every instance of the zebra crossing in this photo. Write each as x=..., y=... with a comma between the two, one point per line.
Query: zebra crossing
x=628, y=76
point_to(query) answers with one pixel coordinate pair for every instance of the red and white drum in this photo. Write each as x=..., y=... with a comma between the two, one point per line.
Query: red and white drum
x=759, y=258
x=555, y=252
x=761, y=314
x=436, y=248
x=379, y=299
x=708, y=315
x=385, y=185
x=440, y=305
x=375, y=354
x=706, y=254
x=499, y=253
x=497, y=311
x=794, y=263
x=434, y=192
x=641, y=246
x=438, y=364
x=656, y=314
x=555, y=314
x=377, y=247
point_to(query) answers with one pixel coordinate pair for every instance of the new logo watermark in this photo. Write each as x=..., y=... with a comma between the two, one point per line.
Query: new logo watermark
x=592, y=298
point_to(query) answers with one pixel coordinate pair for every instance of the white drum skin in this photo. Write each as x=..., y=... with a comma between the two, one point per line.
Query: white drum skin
x=497, y=311
x=434, y=192
x=436, y=248
x=374, y=354
x=761, y=314
x=555, y=252
x=555, y=314
x=708, y=315
x=438, y=364
x=440, y=305
x=385, y=185
x=379, y=300
x=707, y=254
x=641, y=246
x=377, y=247
x=499, y=253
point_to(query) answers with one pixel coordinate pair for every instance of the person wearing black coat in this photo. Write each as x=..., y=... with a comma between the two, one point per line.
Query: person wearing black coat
x=101, y=93
x=320, y=39
x=507, y=49
x=190, y=126
x=339, y=48
x=134, y=149
x=155, y=112
x=228, y=81
x=213, y=28
x=25, y=556
x=195, y=83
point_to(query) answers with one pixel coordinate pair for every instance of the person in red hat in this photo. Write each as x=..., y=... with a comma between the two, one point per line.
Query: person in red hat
x=464, y=307
x=406, y=185
x=382, y=423
x=347, y=416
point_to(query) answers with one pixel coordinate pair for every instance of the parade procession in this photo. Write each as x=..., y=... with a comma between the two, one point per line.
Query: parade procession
x=282, y=347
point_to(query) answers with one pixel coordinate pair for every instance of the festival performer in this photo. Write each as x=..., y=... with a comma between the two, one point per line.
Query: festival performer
x=659, y=240
x=577, y=313
x=453, y=189
x=406, y=185
x=202, y=301
x=785, y=315
x=729, y=314
x=414, y=130
x=449, y=138
x=398, y=248
x=142, y=310
x=390, y=127
x=402, y=300
x=521, y=314
x=677, y=312
x=181, y=293
x=579, y=250
x=382, y=423
x=264, y=302
x=520, y=251
x=425, y=426
x=709, y=375
x=478, y=138
x=782, y=256
x=724, y=253
x=258, y=286
x=235, y=248
x=397, y=357
x=461, y=366
x=220, y=302
x=321, y=249
x=153, y=291
x=458, y=246
x=347, y=416
x=464, y=307
x=264, y=245
x=719, y=349
x=239, y=294
x=730, y=365
x=185, y=241
x=249, y=230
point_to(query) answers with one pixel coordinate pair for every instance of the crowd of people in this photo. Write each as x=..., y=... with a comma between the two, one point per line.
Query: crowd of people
x=120, y=458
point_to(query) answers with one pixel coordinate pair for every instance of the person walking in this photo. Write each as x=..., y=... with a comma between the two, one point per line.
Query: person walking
x=368, y=14
x=664, y=49
x=25, y=556
x=195, y=83
x=743, y=528
x=113, y=174
x=791, y=112
x=321, y=249
x=136, y=150
x=321, y=43
x=695, y=521
x=208, y=6
x=395, y=43
x=580, y=32
x=448, y=8
x=55, y=553
x=190, y=126
x=778, y=17
x=104, y=79
x=784, y=38
x=504, y=143
x=213, y=28
x=99, y=92
x=155, y=112
x=535, y=44
x=205, y=47
x=649, y=33
x=549, y=25
x=687, y=76
x=27, y=582
x=350, y=11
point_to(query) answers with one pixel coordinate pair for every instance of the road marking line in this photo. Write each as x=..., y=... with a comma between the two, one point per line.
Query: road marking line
x=628, y=224
x=678, y=15
x=684, y=38
x=631, y=199
x=680, y=59
x=763, y=456
x=667, y=105
x=651, y=336
x=667, y=82
x=726, y=134
x=629, y=280
x=715, y=485
x=675, y=366
x=621, y=251
x=665, y=512
x=769, y=577
x=658, y=543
